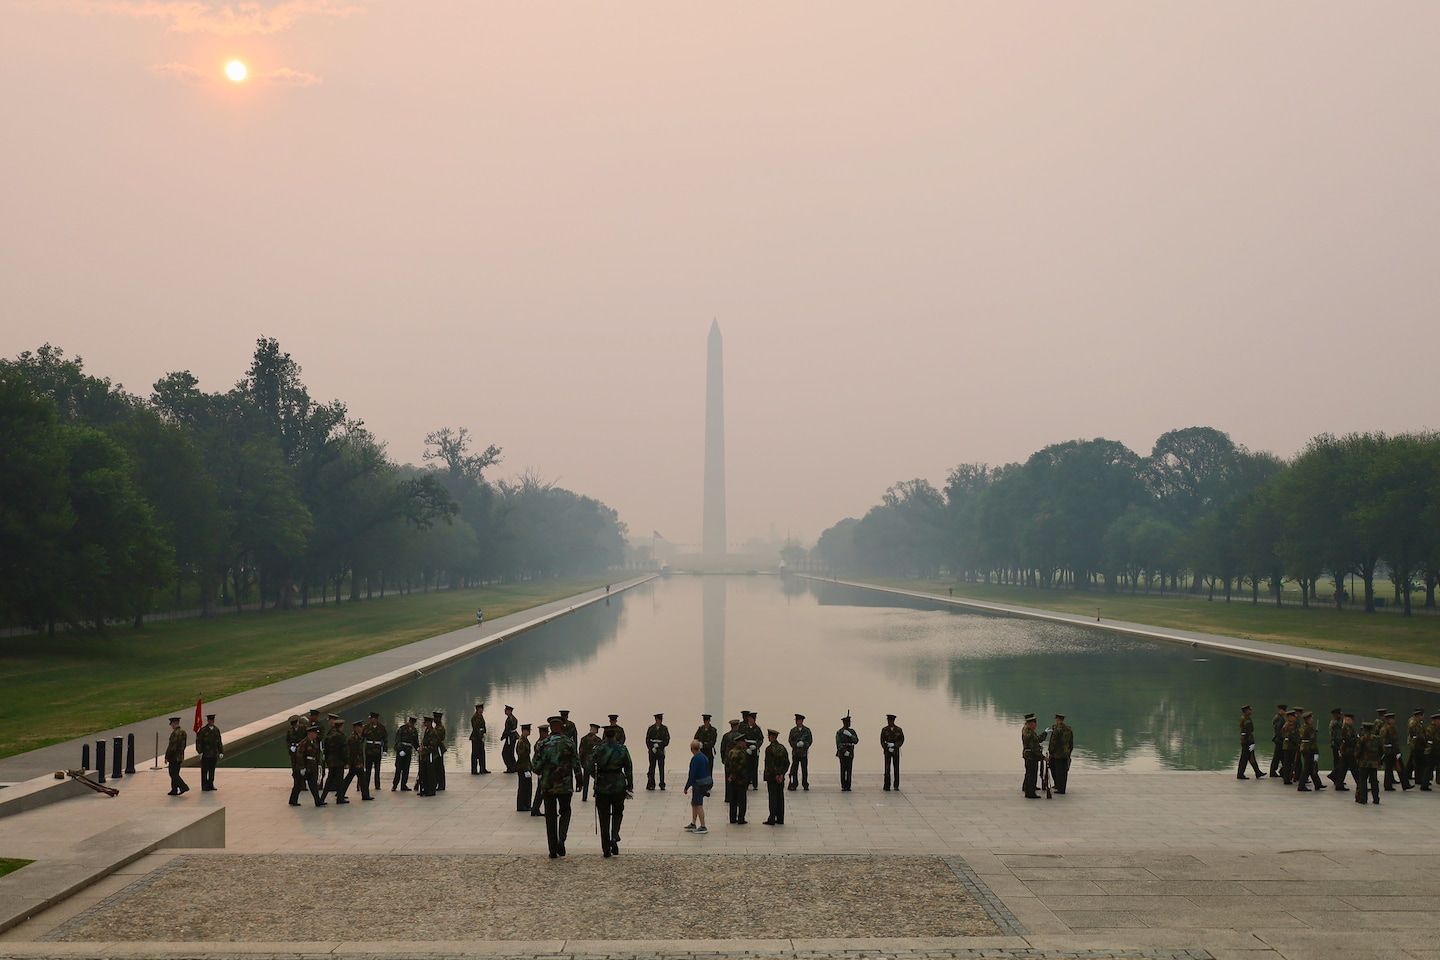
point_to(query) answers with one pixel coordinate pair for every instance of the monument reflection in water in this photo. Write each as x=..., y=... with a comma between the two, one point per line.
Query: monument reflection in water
x=959, y=682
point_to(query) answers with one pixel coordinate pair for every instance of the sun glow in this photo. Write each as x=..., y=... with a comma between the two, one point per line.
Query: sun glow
x=236, y=71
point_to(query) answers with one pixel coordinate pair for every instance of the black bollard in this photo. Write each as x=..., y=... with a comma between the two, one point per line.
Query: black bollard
x=115, y=761
x=84, y=756
x=100, y=761
x=130, y=753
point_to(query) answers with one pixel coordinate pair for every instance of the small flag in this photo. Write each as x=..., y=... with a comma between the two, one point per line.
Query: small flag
x=199, y=717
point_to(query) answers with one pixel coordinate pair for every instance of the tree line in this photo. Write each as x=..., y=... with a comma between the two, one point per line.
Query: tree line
x=1199, y=513
x=113, y=505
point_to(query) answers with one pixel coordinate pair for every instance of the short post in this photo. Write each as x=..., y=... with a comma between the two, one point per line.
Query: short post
x=84, y=756
x=130, y=753
x=100, y=761
x=156, y=761
x=116, y=761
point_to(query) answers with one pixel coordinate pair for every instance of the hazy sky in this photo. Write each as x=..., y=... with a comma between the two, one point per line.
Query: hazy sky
x=931, y=232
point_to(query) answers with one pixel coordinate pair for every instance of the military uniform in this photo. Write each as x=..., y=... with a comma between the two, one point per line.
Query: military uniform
x=726, y=740
x=443, y=736
x=892, y=738
x=657, y=738
x=537, y=796
x=619, y=730
x=407, y=743
x=429, y=758
x=1415, y=740
x=1309, y=754
x=737, y=762
x=377, y=741
x=755, y=739
x=306, y=773
x=523, y=787
x=1337, y=767
x=355, y=753
x=707, y=735
x=556, y=763
x=1030, y=752
x=777, y=764
x=1288, y=738
x=294, y=736
x=507, y=740
x=210, y=745
x=1369, y=754
x=800, y=739
x=1062, y=743
x=614, y=777
x=1431, y=735
x=1247, y=746
x=569, y=729
x=477, y=740
x=1278, y=722
x=1348, y=758
x=588, y=743
x=174, y=756
x=846, y=739
x=337, y=752
x=1391, y=755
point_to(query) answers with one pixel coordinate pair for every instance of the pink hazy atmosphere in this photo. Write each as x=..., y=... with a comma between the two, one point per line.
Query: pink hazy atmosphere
x=932, y=232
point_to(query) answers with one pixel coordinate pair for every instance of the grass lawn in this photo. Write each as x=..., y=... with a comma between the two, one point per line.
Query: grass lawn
x=75, y=684
x=10, y=865
x=1409, y=639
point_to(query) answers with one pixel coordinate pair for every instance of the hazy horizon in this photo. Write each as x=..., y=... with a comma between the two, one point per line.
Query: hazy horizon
x=930, y=235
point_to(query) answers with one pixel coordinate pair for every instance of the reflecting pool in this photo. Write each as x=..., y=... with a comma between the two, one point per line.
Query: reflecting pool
x=959, y=682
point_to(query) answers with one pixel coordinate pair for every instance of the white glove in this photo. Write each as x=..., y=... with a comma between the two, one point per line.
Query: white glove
x=527, y=774
x=1252, y=748
x=222, y=756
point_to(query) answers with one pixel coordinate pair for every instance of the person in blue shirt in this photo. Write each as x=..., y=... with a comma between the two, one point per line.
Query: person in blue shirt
x=698, y=785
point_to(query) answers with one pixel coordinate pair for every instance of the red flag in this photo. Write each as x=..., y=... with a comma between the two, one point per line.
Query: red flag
x=199, y=718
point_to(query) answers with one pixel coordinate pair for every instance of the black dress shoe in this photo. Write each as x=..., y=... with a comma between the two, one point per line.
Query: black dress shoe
x=1032, y=796
x=1241, y=776
x=768, y=823
x=294, y=803
x=322, y=803
x=607, y=854
x=554, y=855
x=741, y=823
x=342, y=801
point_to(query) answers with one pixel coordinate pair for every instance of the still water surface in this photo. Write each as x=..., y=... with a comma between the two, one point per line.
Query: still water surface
x=959, y=682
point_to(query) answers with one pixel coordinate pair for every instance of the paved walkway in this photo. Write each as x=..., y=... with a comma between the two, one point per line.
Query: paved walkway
x=312, y=688
x=1373, y=668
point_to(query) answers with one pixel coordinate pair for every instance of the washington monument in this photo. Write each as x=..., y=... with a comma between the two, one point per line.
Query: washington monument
x=713, y=538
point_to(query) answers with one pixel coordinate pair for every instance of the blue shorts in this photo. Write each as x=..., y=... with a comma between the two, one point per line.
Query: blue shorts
x=697, y=796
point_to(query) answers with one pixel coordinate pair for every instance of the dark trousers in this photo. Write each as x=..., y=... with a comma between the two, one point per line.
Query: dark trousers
x=892, y=760
x=207, y=772
x=425, y=777
x=300, y=780
x=1367, y=781
x=1275, y=759
x=177, y=783
x=402, y=769
x=752, y=771
x=610, y=809
x=507, y=755
x=657, y=761
x=439, y=771
x=372, y=769
x=537, y=800
x=1247, y=755
x=777, y=800
x=357, y=774
x=1060, y=773
x=523, y=789
x=1340, y=769
x=557, y=820
x=800, y=770
x=585, y=787
x=1390, y=764
x=335, y=783
x=1032, y=774
x=477, y=756
x=847, y=764
x=1418, y=769
x=738, y=797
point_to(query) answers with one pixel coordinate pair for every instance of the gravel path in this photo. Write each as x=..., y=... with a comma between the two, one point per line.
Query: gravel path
x=421, y=898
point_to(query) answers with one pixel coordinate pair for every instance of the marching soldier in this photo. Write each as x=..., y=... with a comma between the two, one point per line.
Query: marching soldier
x=657, y=738
x=443, y=739
x=619, y=730
x=429, y=752
x=1309, y=754
x=1288, y=732
x=1278, y=722
x=337, y=752
x=1247, y=746
x=477, y=740
x=211, y=747
x=1415, y=740
x=892, y=738
x=1062, y=743
x=614, y=777
x=306, y=773
x=294, y=736
x=846, y=740
x=1348, y=738
x=1390, y=738
x=588, y=743
x=407, y=742
x=1370, y=752
x=522, y=766
x=556, y=764
x=537, y=796
x=507, y=739
x=1337, y=734
x=174, y=756
x=377, y=741
x=355, y=753
x=706, y=734
x=777, y=763
x=737, y=776
x=1031, y=754
x=755, y=738
x=800, y=739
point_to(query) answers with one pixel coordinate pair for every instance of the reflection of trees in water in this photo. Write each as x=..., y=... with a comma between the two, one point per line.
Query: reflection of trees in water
x=518, y=663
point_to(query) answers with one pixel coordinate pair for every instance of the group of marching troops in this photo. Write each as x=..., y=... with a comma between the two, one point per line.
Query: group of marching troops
x=1410, y=758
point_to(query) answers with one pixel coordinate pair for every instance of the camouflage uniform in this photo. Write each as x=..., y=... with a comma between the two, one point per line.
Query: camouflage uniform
x=614, y=777
x=737, y=760
x=588, y=743
x=557, y=761
x=777, y=763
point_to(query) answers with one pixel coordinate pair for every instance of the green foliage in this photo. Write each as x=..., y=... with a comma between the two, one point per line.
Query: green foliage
x=10, y=865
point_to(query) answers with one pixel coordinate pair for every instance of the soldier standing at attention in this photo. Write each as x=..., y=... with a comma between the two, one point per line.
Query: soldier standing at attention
x=211, y=747
x=1062, y=742
x=1337, y=726
x=846, y=740
x=443, y=737
x=174, y=756
x=556, y=763
x=706, y=734
x=1278, y=722
x=507, y=739
x=537, y=796
x=619, y=730
x=800, y=739
x=477, y=740
x=614, y=777
x=588, y=743
x=1247, y=746
x=307, y=769
x=377, y=741
x=1369, y=751
x=737, y=776
x=777, y=763
x=425, y=780
x=1030, y=753
x=522, y=767
x=407, y=741
x=755, y=738
x=336, y=753
x=355, y=752
x=892, y=738
x=293, y=738
x=1347, y=751
x=657, y=738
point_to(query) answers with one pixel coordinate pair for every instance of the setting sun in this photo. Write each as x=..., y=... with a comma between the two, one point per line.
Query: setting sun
x=237, y=71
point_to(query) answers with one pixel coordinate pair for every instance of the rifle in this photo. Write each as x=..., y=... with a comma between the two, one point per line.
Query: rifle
x=1045, y=777
x=79, y=776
